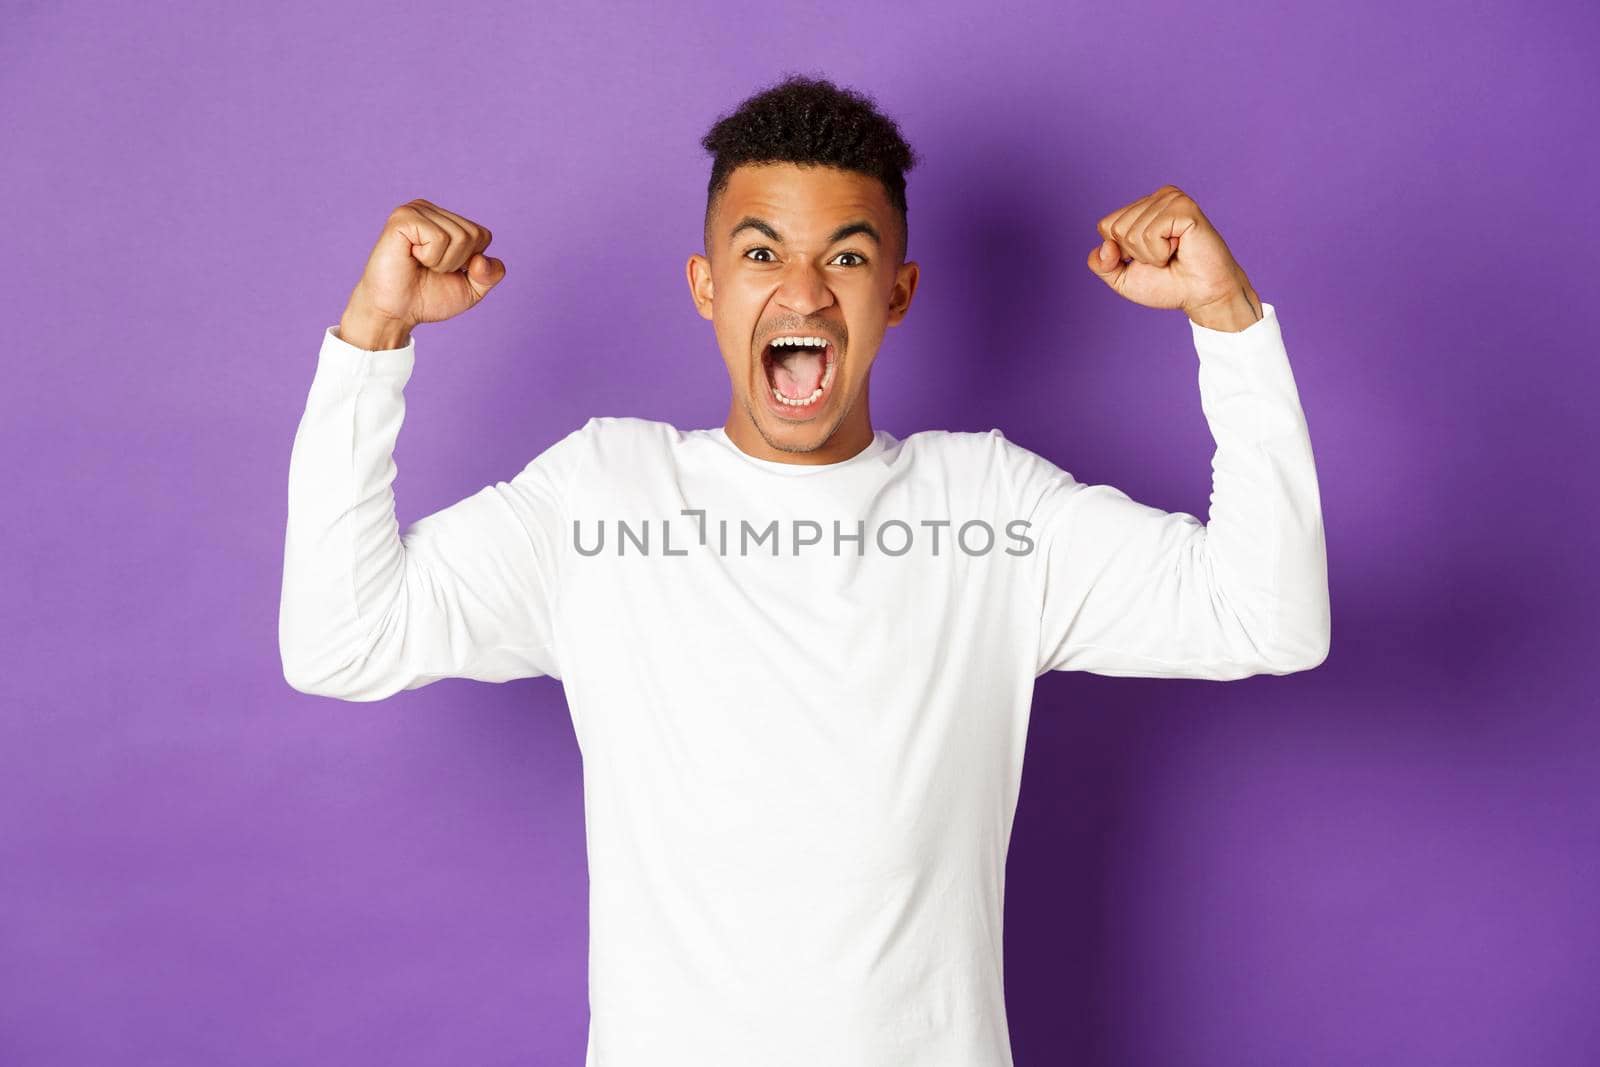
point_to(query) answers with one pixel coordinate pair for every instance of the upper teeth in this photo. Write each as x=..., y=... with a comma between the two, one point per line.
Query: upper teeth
x=817, y=342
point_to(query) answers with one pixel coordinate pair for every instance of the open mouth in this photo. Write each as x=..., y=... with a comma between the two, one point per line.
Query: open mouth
x=799, y=369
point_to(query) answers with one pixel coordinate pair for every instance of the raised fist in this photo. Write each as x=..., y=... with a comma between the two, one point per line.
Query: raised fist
x=427, y=266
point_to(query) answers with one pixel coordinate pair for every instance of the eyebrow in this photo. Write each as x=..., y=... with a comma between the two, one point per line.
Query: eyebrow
x=861, y=226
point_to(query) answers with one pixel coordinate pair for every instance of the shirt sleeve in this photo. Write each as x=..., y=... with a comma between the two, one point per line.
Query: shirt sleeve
x=1130, y=590
x=368, y=610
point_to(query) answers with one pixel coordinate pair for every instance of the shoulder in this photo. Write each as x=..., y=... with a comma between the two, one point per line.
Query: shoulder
x=602, y=447
x=950, y=446
x=610, y=432
x=991, y=460
x=618, y=444
x=619, y=438
x=621, y=427
x=989, y=450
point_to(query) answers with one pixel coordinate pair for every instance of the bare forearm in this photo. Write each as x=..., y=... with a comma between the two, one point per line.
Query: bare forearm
x=1233, y=313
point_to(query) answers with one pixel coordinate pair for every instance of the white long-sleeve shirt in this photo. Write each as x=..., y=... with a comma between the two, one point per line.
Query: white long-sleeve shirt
x=801, y=693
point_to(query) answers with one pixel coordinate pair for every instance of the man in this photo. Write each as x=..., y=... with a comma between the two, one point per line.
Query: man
x=798, y=652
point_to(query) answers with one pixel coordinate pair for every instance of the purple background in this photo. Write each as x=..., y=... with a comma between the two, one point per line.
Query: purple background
x=1389, y=860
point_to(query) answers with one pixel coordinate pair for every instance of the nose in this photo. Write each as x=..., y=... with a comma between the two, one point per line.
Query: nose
x=803, y=288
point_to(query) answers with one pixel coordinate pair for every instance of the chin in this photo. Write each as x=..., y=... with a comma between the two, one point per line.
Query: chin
x=791, y=434
x=796, y=436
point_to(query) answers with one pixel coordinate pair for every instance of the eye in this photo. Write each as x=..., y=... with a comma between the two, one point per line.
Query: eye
x=860, y=260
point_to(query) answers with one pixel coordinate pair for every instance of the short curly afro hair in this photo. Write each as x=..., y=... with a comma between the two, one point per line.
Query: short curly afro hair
x=810, y=121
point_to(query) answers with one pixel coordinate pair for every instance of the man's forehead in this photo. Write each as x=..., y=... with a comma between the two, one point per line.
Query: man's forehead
x=801, y=200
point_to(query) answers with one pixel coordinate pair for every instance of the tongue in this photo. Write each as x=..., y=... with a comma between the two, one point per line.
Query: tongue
x=798, y=375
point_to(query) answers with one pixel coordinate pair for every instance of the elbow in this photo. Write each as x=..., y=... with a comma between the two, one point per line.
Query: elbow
x=301, y=666
x=1298, y=640
x=308, y=682
x=318, y=686
x=315, y=662
x=357, y=679
x=316, y=679
x=1303, y=632
x=1304, y=652
x=1300, y=661
x=1320, y=654
x=299, y=686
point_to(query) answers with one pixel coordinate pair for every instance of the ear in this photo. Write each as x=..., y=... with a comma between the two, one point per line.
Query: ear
x=698, y=272
x=905, y=285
